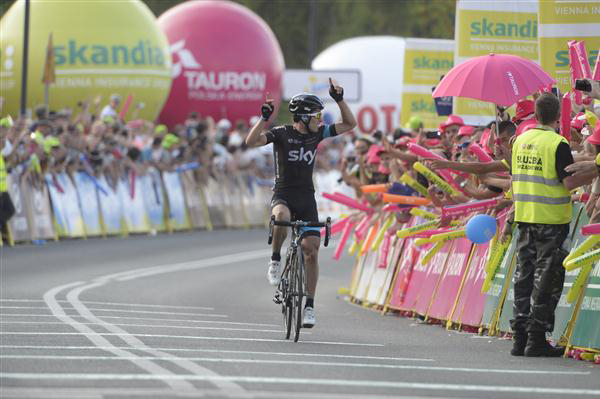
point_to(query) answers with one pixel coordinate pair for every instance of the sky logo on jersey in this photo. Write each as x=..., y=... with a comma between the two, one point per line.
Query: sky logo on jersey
x=301, y=155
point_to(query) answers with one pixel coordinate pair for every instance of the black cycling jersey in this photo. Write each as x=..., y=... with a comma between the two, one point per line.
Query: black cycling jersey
x=295, y=155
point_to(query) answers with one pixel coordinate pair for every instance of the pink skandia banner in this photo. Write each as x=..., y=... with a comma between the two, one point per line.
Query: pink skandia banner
x=471, y=302
x=406, y=260
x=430, y=277
x=449, y=285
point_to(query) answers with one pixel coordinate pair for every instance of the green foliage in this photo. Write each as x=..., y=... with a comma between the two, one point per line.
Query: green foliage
x=335, y=20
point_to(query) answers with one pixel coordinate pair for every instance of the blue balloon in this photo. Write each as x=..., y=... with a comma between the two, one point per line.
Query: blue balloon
x=481, y=228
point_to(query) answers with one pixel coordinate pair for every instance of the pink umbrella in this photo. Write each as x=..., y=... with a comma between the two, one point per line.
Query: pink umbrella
x=501, y=79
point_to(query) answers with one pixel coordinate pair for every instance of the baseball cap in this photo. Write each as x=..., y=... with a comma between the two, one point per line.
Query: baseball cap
x=524, y=109
x=414, y=123
x=452, y=120
x=595, y=137
x=466, y=130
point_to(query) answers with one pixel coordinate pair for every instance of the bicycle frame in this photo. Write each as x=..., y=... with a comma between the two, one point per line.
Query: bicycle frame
x=291, y=288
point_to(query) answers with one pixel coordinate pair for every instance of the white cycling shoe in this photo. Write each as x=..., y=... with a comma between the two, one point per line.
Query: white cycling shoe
x=274, y=272
x=309, y=319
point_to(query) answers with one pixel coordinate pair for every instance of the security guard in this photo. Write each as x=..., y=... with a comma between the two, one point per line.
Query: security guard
x=541, y=192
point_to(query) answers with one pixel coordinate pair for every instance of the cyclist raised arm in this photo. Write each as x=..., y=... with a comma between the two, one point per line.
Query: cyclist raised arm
x=295, y=149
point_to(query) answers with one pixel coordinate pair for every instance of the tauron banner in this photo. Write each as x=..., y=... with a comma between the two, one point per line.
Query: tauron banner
x=500, y=27
x=560, y=22
x=425, y=62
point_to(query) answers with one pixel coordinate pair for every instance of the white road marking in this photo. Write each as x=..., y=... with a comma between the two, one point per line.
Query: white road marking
x=428, y=386
x=122, y=311
x=98, y=340
x=148, y=319
x=225, y=351
x=142, y=305
x=85, y=393
x=305, y=363
x=126, y=334
x=148, y=326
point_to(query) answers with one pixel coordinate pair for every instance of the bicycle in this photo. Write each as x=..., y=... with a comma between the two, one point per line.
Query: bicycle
x=291, y=289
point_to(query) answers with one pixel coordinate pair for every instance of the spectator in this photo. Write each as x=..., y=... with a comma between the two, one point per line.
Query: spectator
x=110, y=110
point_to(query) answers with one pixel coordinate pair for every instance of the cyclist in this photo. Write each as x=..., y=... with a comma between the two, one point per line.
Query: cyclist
x=295, y=149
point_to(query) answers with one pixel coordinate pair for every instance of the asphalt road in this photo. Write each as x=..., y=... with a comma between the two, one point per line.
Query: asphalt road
x=191, y=315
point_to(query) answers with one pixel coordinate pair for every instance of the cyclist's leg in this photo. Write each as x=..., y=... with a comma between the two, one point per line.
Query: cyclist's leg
x=281, y=210
x=310, y=250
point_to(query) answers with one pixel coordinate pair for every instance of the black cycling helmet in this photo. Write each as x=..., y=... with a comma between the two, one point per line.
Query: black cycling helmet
x=305, y=104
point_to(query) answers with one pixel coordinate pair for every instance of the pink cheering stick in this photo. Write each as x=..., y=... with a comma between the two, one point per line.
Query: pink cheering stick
x=464, y=209
x=125, y=107
x=597, y=68
x=345, y=234
x=590, y=229
x=565, y=116
x=483, y=156
x=363, y=204
x=337, y=226
x=362, y=227
x=583, y=60
x=391, y=208
x=132, y=184
x=425, y=153
x=352, y=203
x=385, y=250
x=576, y=71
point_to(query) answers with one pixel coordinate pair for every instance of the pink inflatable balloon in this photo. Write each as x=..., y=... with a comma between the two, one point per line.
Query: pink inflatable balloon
x=225, y=60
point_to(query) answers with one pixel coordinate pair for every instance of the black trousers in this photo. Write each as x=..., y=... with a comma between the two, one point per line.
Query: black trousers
x=539, y=277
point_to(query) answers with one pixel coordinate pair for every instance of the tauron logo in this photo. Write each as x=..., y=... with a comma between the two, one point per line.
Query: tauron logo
x=185, y=58
x=511, y=78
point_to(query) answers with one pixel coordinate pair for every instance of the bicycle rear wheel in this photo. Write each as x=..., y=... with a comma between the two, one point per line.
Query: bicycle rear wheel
x=299, y=294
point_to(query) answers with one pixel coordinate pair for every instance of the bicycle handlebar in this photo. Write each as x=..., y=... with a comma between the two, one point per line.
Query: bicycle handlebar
x=300, y=223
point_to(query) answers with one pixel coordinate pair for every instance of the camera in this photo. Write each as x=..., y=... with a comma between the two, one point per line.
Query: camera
x=583, y=85
x=433, y=135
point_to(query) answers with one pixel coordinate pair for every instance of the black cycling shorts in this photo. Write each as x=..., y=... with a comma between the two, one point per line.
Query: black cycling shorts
x=302, y=206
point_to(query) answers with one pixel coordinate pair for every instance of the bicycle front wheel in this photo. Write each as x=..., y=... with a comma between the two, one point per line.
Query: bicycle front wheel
x=299, y=294
x=287, y=308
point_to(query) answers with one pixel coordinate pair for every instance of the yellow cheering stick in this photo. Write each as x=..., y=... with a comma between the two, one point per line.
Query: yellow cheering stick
x=445, y=237
x=436, y=248
x=415, y=185
x=411, y=231
x=424, y=214
x=583, y=260
x=579, y=282
x=419, y=242
x=585, y=246
x=353, y=247
x=494, y=264
x=379, y=237
x=435, y=179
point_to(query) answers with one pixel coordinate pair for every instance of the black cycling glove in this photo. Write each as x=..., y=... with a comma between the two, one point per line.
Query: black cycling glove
x=337, y=96
x=266, y=111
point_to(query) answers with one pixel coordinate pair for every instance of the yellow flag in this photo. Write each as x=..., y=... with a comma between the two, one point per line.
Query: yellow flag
x=49, y=76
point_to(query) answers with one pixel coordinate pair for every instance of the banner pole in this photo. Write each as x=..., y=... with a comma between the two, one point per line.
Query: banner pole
x=25, y=60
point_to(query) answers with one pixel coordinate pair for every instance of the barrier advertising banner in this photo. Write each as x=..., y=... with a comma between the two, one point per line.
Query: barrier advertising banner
x=133, y=205
x=39, y=212
x=178, y=218
x=563, y=21
x=195, y=204
x=19, y=227
x=154, y=202
x=471, y=302
x=501, y=27
x=587, y=329
x=431, y=274
x=112, y=209
x=425, y=62
x=450, y=282
x=88, y=198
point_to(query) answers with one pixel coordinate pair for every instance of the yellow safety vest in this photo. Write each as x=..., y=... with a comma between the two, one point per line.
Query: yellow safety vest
x=540, y=197
x=3, y=174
